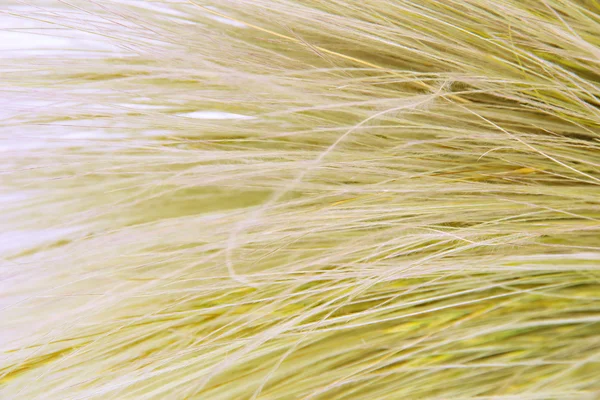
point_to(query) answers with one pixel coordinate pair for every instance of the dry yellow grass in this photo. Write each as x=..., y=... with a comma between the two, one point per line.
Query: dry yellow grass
x=307, y=199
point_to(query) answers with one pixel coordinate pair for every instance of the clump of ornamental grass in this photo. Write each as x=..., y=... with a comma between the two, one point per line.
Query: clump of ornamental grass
x=301, y=199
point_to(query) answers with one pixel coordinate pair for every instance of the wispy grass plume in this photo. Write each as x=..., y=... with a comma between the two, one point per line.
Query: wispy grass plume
x=300, y=199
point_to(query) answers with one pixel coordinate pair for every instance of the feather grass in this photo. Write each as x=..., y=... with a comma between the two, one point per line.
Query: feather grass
x=302, y=199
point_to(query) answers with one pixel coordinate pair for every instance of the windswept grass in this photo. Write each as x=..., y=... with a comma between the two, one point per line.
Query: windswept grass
x=301, y=199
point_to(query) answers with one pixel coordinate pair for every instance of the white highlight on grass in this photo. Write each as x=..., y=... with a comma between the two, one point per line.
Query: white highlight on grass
x=227, y=21
x=14, y=240
x=159, y=7
x=21, y=37
x=223, y=20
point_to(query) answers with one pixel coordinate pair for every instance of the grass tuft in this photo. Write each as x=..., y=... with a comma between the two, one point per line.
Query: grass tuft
x=300, y=199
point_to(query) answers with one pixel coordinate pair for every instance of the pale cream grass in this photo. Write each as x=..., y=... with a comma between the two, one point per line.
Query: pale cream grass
x=277, y=199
